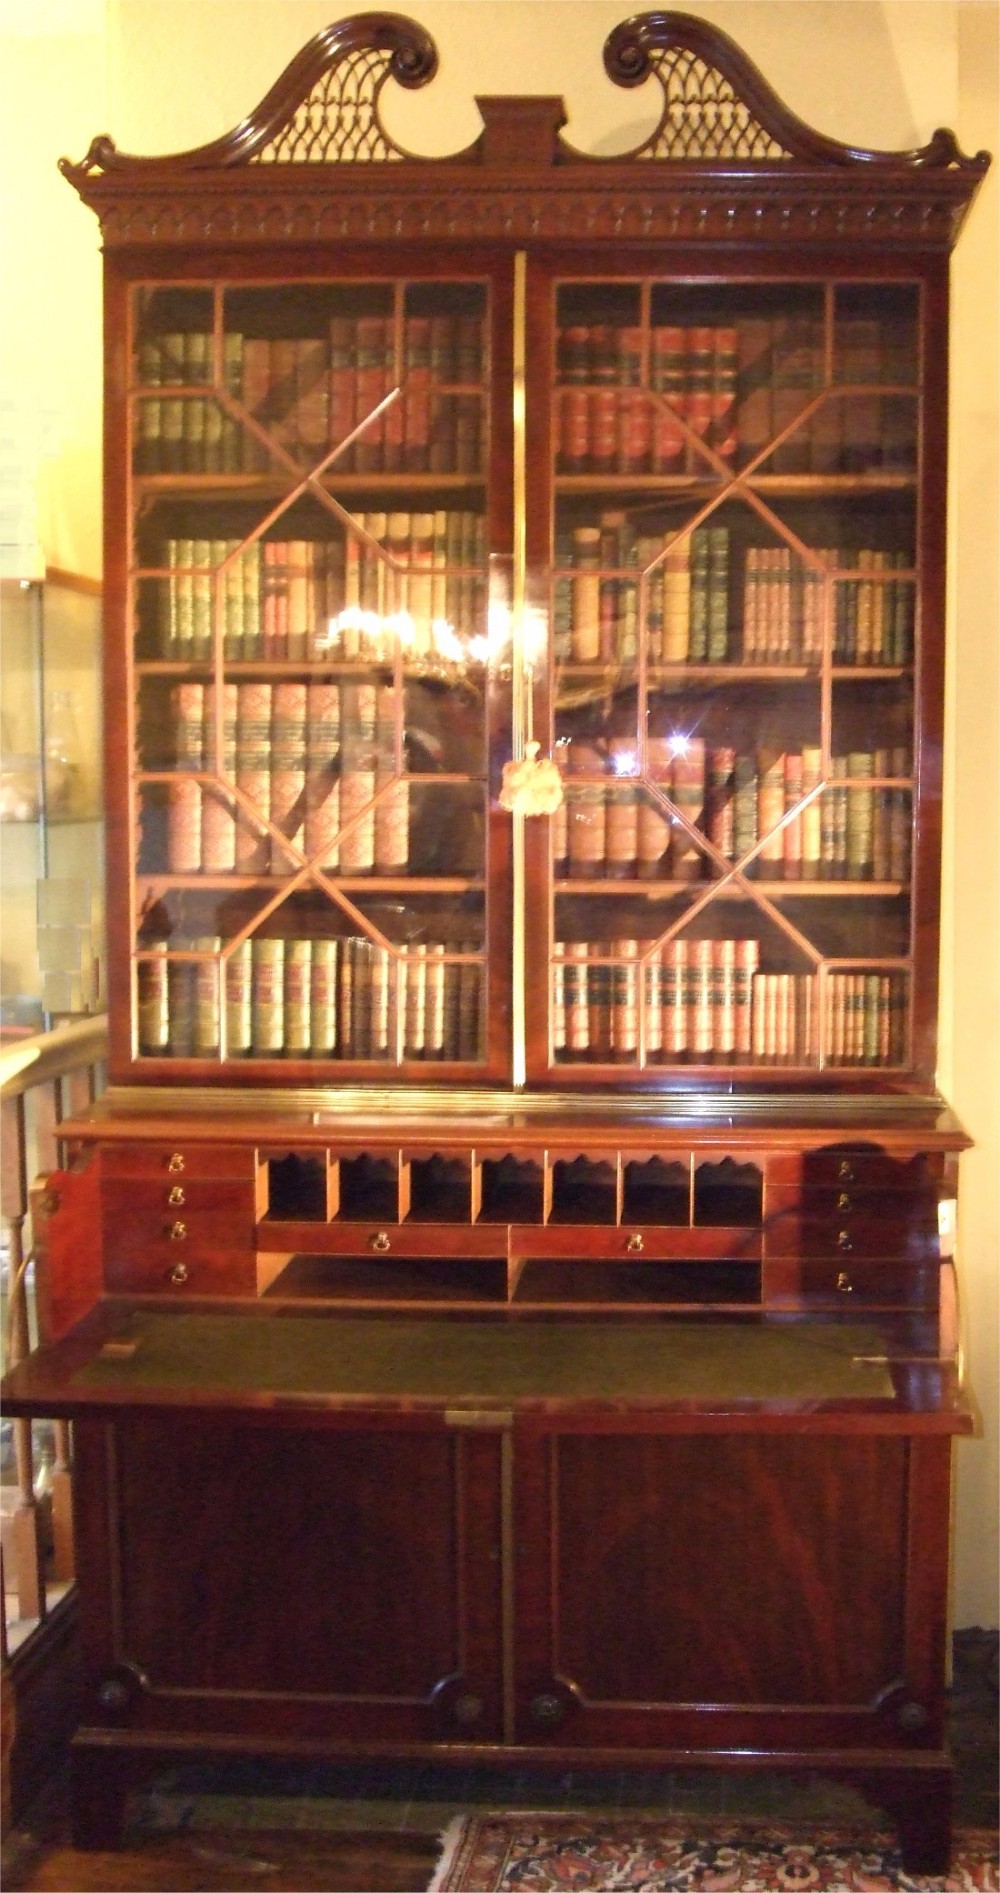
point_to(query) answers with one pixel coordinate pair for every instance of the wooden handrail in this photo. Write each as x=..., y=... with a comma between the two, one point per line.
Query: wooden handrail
x=44, y=1056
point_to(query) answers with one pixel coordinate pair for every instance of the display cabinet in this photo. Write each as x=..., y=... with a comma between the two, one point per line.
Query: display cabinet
x=523, y=1177
x=51, y=811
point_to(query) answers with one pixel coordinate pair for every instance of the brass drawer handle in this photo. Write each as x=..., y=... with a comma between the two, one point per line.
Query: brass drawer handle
x=178, y=1232
x=844, y=1241
x=634, y=1245
x=379, y=1242
x=844, y=1284
x=846, y=1171
x=175, y=1162
x=844, y=1200
x=176, y=1197
x=178, y=1274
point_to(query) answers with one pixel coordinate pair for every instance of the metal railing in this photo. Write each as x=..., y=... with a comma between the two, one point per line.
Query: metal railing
x=43, y=1080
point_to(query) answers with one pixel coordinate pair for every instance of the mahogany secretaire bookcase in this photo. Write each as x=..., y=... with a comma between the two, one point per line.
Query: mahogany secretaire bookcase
x=506, y=1297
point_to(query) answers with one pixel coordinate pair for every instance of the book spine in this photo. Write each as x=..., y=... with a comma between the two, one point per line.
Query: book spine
x=323, y=983
x=688, y=794
x=586, y=812
x=238, y=1000
x=267, y=997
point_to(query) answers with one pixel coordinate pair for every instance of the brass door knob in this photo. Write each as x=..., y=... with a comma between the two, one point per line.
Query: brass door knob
x=547, y=1710
x=379, y=1242
x=468, y=1709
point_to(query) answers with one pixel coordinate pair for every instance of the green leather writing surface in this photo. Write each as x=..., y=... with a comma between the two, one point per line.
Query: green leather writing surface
x=459, y=1360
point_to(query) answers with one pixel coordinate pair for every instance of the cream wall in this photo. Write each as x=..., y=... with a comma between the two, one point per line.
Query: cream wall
x=871, y=72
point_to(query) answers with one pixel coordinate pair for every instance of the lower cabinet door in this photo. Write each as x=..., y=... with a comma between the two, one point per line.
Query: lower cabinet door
x=334, y=1582
x=724, y=1591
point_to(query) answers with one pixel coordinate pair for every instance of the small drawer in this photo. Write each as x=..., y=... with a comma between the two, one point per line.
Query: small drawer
x=149, y=1268
x=628, y=1243
x=177, y=1161
x=794, y=1282
x=849, y=1235
x=869, y=1169
x=917, y=1206
x=192, y=1197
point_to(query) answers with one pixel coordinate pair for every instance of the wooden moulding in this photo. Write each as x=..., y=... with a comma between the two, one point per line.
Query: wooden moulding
x=727, y=161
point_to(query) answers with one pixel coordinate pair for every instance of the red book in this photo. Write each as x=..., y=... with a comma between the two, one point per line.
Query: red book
x=574, y=431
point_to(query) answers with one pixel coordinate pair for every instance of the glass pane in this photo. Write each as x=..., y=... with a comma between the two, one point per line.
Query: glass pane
x=309, y=598
x=732, y=699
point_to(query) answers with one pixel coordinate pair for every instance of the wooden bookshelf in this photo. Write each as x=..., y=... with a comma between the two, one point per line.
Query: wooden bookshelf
x=541, y=1218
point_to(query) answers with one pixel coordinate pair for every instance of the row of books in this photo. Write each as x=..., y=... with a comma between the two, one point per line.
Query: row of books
x=635, y=401
x=705, y=601
x=317, y=760
x=308, y=393
x=299, y=599
x=345, y=998
x=708, y=1001
x=611, y=826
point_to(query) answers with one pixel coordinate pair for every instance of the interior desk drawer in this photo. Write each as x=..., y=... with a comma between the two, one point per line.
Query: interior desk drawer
x=594, y=1241
x=869, y=1169
x=177, y=1161
x=400, y=1239
x=149, y=1268
x=899, y=1239
x=792, y=1282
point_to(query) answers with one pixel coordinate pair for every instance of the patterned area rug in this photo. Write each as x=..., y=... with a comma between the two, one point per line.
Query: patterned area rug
x=567, y=1853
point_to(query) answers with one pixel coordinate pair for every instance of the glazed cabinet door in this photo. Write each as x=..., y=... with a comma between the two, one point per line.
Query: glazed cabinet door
x=318, y=506
x=730, y=1590
x=740, y=583
x=341, y=1584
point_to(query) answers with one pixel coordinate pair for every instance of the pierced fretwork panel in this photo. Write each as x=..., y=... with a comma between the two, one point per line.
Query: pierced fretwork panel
x=339, y=121
x=702, y=116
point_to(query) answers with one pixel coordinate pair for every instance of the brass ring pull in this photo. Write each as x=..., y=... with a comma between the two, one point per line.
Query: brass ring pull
x=547, y=1710
x=175, y=1162
x=844, y=1200
x=634, y=1245
x=176, y=1197
x=178, y=1232
x=844, y=1284
x=179, y=1274
x=379, y=1242
x=844, y=1241
x=846, y=1171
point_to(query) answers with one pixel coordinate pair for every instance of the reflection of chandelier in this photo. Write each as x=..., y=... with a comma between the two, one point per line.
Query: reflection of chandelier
x=429, y=646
